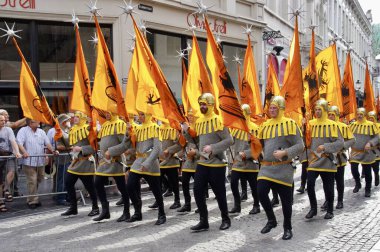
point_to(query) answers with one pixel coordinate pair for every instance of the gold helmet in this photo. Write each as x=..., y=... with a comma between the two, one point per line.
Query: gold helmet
x=323, y=104
x=207, y=98
x=361, y=111
x=372, y=114
x=334, y=110
x=278, y=101
x=190, y=111
x=80, y=115
x=246, y=109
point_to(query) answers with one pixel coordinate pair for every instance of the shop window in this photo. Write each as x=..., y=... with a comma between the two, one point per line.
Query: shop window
x=10, y=62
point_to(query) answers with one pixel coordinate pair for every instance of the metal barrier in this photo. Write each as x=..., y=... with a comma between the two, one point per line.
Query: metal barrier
x=53, y=165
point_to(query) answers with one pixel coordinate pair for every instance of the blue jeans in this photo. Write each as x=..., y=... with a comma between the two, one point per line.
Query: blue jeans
x=61, y=187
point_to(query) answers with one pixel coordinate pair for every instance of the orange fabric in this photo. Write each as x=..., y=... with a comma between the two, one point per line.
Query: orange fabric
x=348, y=91
x=369, y=98
x=184, y=96
x=33, y=102
x=226, y=99
x=292, y=89
x=249, y=86
x=132, y=85
x=272, y=87
x=256, y=147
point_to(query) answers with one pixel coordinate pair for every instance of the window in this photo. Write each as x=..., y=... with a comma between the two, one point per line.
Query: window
x=230, y=51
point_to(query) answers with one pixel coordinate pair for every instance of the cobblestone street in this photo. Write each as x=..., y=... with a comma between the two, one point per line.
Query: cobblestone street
x=355, y=228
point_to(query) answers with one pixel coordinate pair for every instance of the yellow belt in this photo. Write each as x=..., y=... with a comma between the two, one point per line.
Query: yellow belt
x=141, y=155
x=273, y=163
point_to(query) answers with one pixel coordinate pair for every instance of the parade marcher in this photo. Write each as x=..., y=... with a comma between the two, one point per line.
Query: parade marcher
x=349, y=140
x=326, y=140
x=304, y=162
x=362, y=152
x=281, y=140
x=82, y=166
x=189, y=166
x=146, y=165
x=214, y=139
x=244, y=166
x=111, y=147
x=372, y=116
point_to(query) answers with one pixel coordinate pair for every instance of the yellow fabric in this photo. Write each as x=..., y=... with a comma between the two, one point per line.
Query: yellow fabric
x=212, y=165
x=282, y=126
x=242, y=135
x=188, y=170
x=109, y=127
x=80, y=173
x=364, y=128
x=320, y=169
x=169, y=166
x=209, y=124
x=272, y=87
x=146, y=131
x=243, y=170
x=109, y=174
x=323, y=128
x=168, y=133
x=132, y=85
x=369, y=98
x=275, y=180
x=345, y=131
x=146, y=173
x=78, y=133
x=348, y=91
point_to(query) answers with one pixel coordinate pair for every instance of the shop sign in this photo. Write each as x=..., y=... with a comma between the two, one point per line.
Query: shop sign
x=216, y=25
x=25, y=4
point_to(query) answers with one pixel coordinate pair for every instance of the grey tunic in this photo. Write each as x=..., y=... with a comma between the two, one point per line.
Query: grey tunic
x=246, y=165
x=349, y=140
x=292, y=144
x=364, y=133
x=190, y=165
x=82, y=165
x=173, y=147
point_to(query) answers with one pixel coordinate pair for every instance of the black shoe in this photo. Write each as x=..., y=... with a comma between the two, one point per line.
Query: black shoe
x=226, y=224
x=377, y=179
x=255, y=210
x=329, y=216
x=301, y=190
x=311, y=213
x=38, y=204
x=201, y=226
x=105, y=214
x=287, y=234
x=185, y=208
x=168, y=194
x=124, y=217
x=135, y=217
x=120, y=202
x=235, y=209
x=161, y=219
x=367, y=193
x=243, y=196
x=154, y=205
x=268, y=227
x=70, y=211
x=196, y=210
x=175, y=205
x=324, y=206
x=357, y=188
x=275, y=202
x=94, y=211
x=339, y=205
x=32, y=206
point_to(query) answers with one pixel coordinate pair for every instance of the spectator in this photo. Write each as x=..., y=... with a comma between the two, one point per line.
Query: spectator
x=8, y=146
x=32, y=142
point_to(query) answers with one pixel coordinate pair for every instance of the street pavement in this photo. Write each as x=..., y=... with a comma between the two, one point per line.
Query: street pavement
x=354, y=228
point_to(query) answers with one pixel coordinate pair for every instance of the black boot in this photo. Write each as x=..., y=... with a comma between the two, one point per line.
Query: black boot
x=357, y=187
x=202, y=225
x=287, y=234
x=301, y=190
x=73, y=210
x=377, y=179
x=120, y=202
x=105, y=214
x=175, y=205
x=311, y=213
x=94, y=210
x=161, y=216
x=324, y=206
x=255, y=210
x=367, y=193
x=137, y=216
x=236, y=208
x=275, y=202
x=329, y=215
x=268, y=227
x=168, y=193
x=244, y=195
x=125, y=216
x=154, y=205
x=185, y=208
x=339, y=205
x=226, y=222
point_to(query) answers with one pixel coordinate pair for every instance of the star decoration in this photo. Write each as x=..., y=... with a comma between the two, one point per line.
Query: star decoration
x=312, y=27
x=74, y=19
x=10, y=32
x=143, y=27
x=188, y=48
x=202, y=9
x=237, y=59
x=94, y=39
x=297, y=12
x=133, y=36
x=93, y=9
x=248, y=30
x=192, y=28
x=131, y=48
x=181, y=54
x=128, y=8
x=224, y=58
x=218, y=40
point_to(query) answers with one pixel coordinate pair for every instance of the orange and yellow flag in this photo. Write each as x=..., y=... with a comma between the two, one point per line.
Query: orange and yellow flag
x=272, y=87
x=310, y=79
x=132, y=85
x=329, y=77
x=369, y=97
x=225, y=95
x=33, y=102
x=348, y=91
x=292, y=89
x=184, y=96
x=81, y=96
x=107, y=94
x=198, y=81
x=151, y=79
x=249, y=86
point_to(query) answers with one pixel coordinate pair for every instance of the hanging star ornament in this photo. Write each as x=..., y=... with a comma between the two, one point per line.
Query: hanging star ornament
x=188, y=47
x=131, y=48
x=218, y=40
x=94, y=39
x=181, y=54
x=237, y=59
x=143, y=27
x=192, y=28
x=312, y=27
x=74, y=19
x=202, y=9
x=248, y=30
x=10, y=32
x=224, y=58
x=93, y=9
x=296, y=13
x=133, y=37
x=128, y=8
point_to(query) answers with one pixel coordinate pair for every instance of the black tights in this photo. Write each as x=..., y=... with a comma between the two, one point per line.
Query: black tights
x=88, y=182
x=101, y=181
x=339, y=179
x=367, y=173
x=172, y=175
x=328, y=188
x=186, y=176
x=251, y=177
